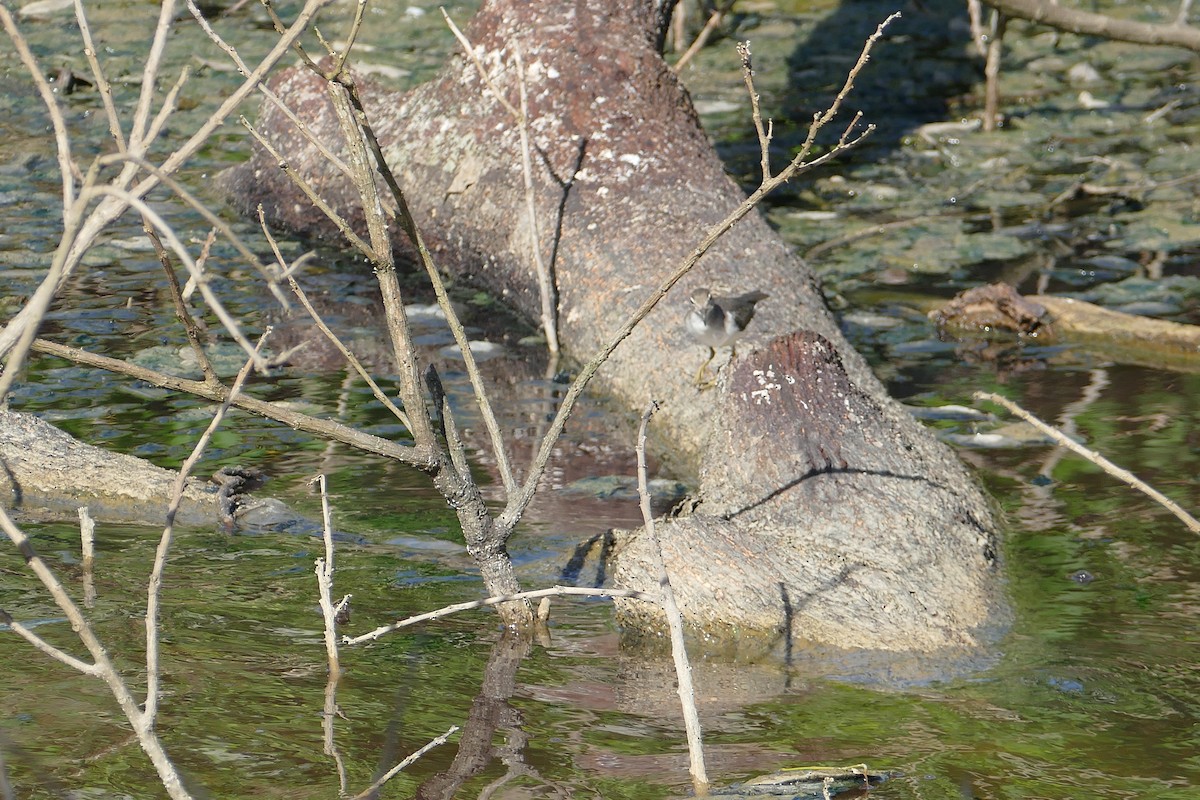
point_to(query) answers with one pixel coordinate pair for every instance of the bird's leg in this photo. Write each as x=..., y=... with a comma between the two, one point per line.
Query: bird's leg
x=700, y=379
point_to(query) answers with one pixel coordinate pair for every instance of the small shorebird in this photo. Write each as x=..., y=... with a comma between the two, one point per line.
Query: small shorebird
x=718, y=321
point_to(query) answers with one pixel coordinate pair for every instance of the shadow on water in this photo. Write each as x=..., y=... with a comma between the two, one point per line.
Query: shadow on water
x=921, y=63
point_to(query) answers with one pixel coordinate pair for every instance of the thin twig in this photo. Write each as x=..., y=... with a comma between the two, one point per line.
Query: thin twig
x=342, y=224
x=821, y=119
x=521, y=117
x=268, y=92
x=499, y=452
x=978, y=34
x=102, y=666
x=168, y=107
x=484, y=539
x=394, y=771
x=355, y=26
x=87, y=540
x=359, y=157
x=764, y=132
x=445, y=419
x=329, y=613
x=991, y=71
x=714, y=19
x=553, y=591
x=546, y=288
x=80, y=233
x=479, y=68
x=154, y=584
x=223, y=227
x=66, y=165
x=324, y=572
x=683, y=670
x=1112, y=469
x=327, y=429
x=41, y=644
x=98, y=77
x=182, y=313
x=298, y=47
x=227, y=319
x=139, y=139
x=290, y=275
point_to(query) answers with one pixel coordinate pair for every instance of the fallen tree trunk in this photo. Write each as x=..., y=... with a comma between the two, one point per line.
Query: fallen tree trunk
x=46, y=474
x=1126, y=338
x=803, y=458
x=1048, y=12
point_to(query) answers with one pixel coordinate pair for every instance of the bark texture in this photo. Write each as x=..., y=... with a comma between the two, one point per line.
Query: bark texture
x=877, y=531
x=823, y=517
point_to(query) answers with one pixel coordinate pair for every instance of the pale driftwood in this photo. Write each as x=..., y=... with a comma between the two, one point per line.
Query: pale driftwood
x=1126, y=337
x=1048, y=12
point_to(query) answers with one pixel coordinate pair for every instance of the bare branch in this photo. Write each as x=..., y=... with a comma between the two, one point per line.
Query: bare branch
x=154, y=584
x=303, y=185
x=66, y=166
x=267, y=92
x=182, y=313
x=139, y=138
x=579, y=591
x=328, y=429
x=87, y=550
x=226, y=231
x=170, y=103
x=102, y=667
x=764, y=133
x=991, y=70
x=1070, y=19
x=483, y=73
x=41, y=644
x=521, y=117
x=714, y=19
x=824, y=118
x=546, y=289
x=1112, y=469
x=102, y=84
x=683, y=670
x=351, y=359
x=355, y=26
x=324, y=571
x=79, y=233
x=503, y=464
x=227, y=319
x=394, y=771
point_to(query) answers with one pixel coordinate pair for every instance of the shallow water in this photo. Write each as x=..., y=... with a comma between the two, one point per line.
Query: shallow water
x=1092, y=693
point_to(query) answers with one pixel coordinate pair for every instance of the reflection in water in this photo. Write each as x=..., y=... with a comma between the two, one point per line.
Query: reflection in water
x=1095, y=692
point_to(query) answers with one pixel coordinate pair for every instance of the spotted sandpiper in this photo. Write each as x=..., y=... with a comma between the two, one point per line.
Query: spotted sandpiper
x=718, y=321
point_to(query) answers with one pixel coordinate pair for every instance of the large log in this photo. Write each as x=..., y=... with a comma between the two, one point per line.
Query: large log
x=827, y=512
x=47, y=474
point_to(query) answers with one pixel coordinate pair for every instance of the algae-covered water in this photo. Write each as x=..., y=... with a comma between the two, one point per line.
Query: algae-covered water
x=1093, y=692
